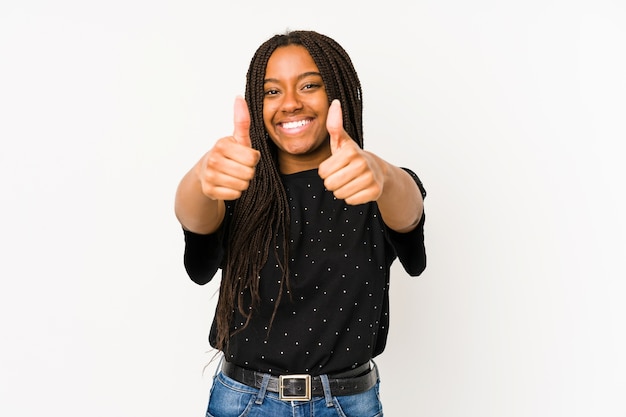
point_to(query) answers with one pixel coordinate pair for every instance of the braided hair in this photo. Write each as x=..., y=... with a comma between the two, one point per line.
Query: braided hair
x=261, y=215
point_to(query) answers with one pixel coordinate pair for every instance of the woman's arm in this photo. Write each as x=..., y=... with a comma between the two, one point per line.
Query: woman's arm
x=358, y=176
x=223, y=173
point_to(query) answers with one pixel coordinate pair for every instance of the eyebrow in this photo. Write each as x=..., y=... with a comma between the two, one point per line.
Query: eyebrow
x=301, y=76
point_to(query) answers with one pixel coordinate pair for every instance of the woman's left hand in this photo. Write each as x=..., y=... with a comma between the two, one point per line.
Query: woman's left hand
x=351, y=173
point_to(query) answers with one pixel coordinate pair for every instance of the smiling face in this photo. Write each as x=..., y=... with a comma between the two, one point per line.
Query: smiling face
x=295, y=106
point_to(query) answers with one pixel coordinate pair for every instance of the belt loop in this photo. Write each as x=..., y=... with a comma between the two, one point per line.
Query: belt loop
x=326, y=386
x=263, y=389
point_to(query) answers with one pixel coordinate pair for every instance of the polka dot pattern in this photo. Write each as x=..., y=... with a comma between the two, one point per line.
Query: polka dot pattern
x=336, y=314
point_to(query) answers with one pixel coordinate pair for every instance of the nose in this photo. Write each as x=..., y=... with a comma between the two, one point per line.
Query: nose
x=291, y=102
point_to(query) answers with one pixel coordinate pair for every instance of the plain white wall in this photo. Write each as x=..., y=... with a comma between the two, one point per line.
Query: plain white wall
x=511, y=112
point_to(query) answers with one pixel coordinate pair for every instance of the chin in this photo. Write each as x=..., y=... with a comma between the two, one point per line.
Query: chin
x=298, y=152
x=298, y=148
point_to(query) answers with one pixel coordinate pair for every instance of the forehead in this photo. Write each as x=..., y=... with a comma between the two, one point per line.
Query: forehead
x=289, y=61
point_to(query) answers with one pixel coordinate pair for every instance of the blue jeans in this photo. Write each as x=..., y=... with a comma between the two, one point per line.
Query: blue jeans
x=230, y=398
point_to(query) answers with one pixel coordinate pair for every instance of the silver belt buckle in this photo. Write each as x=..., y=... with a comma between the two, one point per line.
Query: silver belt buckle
x=284, y=379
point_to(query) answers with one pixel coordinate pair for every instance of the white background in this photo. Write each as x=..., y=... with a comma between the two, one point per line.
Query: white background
x=511, y=112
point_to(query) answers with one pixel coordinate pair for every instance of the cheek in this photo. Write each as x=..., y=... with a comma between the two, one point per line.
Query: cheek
x=267, y=123
x=268, y=113
x=322, y=106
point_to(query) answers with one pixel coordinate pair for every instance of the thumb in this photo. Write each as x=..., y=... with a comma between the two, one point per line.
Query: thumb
x=334, y=125
x=242, y=122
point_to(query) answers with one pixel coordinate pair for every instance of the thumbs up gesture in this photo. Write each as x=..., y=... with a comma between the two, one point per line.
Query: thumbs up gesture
x=352, y=174
x=225, y=171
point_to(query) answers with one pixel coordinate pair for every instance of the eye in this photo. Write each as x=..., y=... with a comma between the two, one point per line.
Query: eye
x=271, y=92
x=310, y=86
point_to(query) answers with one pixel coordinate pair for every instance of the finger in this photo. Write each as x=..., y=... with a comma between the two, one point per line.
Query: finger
x=360, y=189
x=334, y=125
x=221, y=193
x=239, y=165
x=242, y=122
x=225, y=179
x=227, y=148
x=222, y=180
x=361, y=197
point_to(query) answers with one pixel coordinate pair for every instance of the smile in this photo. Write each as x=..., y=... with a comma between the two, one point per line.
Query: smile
x=295, y=125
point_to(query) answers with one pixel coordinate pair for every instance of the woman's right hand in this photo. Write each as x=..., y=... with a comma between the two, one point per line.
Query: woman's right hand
x=226, y=170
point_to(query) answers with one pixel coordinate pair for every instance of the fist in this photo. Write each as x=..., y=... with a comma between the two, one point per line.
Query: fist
x=351, y=173
x=226, y=170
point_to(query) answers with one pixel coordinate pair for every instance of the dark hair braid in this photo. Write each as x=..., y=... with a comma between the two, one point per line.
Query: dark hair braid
x=261, y=214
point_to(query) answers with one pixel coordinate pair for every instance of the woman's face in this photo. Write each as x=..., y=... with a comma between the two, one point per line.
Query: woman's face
x=295, y=106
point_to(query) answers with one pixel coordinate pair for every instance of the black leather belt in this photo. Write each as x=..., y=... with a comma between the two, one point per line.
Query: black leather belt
x=302, y=387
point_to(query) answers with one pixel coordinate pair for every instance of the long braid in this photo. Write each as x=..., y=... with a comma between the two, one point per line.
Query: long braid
x=261, y=214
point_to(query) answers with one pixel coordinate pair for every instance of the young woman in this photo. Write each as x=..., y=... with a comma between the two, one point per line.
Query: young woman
x=304, y=224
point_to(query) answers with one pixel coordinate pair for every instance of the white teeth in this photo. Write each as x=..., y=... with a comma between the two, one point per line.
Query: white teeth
x=293, y=125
